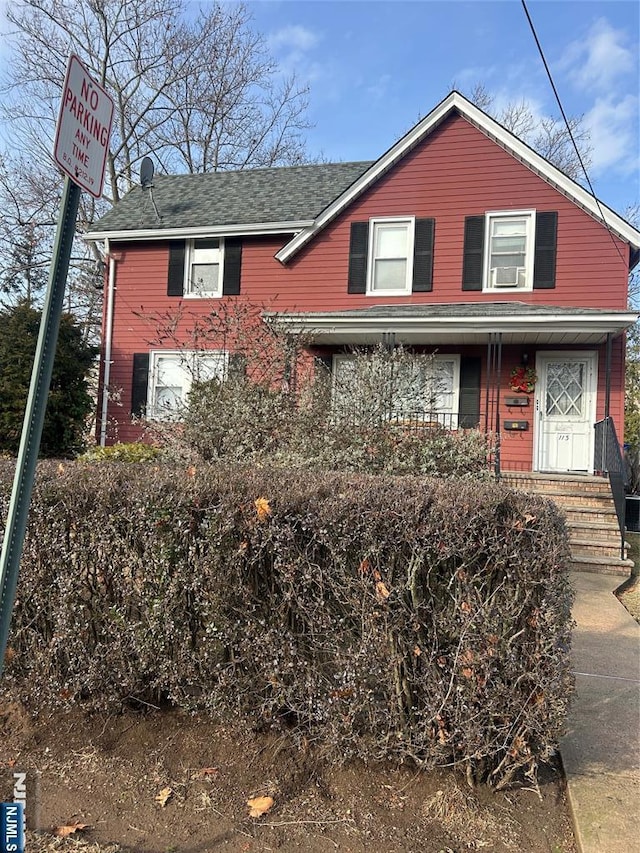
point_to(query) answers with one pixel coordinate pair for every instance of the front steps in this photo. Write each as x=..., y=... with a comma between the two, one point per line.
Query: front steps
x=594, y=535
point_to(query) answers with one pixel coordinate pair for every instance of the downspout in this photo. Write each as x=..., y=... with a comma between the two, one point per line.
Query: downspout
x=607, y=397
x=108, y=334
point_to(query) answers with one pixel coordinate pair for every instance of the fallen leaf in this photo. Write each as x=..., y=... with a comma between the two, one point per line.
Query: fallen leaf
x=69, y=829
x=60, y=468
x=208, y=772
x=9, y=654
x=417, y=651
x=259, y=806
x=164, y=796
x=191, y=471
x=11, y=762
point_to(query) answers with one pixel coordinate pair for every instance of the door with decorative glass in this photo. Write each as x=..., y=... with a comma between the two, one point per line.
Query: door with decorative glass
x=565, y=412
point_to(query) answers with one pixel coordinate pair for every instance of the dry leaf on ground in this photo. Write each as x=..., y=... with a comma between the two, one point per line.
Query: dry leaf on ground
x=69, y=829
x=259, y=806
x=164, y=796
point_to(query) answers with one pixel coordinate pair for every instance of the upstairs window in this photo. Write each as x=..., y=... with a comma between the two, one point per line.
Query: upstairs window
x=509, y=248
x=391, y=256
x=203, y=268
x=208, y=267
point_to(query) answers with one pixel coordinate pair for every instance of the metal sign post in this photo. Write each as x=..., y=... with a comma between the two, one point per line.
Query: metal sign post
x=82, y=141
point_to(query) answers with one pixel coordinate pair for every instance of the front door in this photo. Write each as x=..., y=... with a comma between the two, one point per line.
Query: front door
x=565, y=411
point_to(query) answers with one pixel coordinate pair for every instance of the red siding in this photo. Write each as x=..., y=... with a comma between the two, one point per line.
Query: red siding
x=457, y=172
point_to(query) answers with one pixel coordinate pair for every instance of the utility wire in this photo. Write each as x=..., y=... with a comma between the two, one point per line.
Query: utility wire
x=568, y=126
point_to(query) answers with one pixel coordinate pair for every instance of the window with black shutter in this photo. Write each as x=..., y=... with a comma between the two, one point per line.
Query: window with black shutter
x=509, y=251
x=391, y=256
x=207, y=267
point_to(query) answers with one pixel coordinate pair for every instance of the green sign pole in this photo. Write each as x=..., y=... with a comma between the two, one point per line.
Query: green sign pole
x=34, y=414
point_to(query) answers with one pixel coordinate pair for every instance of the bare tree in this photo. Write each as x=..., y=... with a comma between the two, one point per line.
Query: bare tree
x=547, y=135
x=199, y=91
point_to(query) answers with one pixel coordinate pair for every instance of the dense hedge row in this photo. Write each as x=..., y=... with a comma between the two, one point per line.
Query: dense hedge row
x=382, y=617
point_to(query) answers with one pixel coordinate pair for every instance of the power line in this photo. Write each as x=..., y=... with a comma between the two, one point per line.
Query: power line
x=569, y=131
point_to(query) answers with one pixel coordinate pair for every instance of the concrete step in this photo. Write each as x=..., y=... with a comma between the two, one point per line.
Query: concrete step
x=602, y=565
x=593, y=531
x=593, y=548
x=605, y=515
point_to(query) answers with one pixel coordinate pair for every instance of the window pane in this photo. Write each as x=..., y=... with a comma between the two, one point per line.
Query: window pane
x=209, y=366
x=391, y=241
x=507, y=260
x=508, y=244
x=204, y=278
x=508, y=227
x=390, y=275
x=171, y=378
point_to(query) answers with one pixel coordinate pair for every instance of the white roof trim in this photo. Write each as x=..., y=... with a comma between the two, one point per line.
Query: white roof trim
x=216, y=231
x=489, y=126
x=603, y=322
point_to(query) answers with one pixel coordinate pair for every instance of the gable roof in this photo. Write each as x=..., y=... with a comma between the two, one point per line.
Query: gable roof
x=273, y=200
x=302, y=200
x=455, y=103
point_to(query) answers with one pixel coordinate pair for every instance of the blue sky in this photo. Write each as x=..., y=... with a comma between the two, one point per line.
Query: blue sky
x=375, y=68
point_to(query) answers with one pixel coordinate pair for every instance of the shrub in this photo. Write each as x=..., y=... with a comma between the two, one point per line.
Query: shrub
x=381, y=616
x=133, y=452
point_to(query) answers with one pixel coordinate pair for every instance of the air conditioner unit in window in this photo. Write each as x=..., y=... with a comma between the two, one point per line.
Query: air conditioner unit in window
x=507, y=277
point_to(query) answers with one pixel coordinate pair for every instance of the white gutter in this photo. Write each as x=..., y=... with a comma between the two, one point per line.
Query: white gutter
x=238, y=230
x=106, y=376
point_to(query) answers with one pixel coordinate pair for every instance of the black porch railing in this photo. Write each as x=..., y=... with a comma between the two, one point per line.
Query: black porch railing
x=608, y=461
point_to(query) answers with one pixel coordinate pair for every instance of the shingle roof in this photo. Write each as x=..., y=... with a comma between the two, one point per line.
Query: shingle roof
x=288, y=194
x=453, y=310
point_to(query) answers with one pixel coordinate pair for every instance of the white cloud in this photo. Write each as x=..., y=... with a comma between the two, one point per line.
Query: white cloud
x=293, y=39
x=596, y=62
x=614, y=139
x=379, y=88
x=292, y=46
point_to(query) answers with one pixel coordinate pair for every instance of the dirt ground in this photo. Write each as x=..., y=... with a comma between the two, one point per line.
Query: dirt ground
x=163, y=782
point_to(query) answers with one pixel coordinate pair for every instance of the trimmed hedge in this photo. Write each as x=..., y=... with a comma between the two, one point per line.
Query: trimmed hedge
x=382, y=616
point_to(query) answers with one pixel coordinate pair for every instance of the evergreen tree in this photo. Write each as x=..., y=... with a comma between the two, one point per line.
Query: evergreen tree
x=69, y=403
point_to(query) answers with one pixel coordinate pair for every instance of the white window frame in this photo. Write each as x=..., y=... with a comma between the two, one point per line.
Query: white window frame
x=451, y=412
x=213, y=256
x=504, y=215
x=410, y=222
x=188, y=361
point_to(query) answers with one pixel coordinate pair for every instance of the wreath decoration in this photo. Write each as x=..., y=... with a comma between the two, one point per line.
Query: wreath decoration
x=523, y=379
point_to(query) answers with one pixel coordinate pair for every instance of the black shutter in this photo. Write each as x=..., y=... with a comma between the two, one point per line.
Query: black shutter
x=423, y=255
x=232, y=266
x=469, y=403
x=473, y=259
x=175, y=280
x=358, y=250
x=237, y=367
x=139, y=383
x=544, y=266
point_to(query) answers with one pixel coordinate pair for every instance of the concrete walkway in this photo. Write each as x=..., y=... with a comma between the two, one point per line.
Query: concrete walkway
x=601, y=750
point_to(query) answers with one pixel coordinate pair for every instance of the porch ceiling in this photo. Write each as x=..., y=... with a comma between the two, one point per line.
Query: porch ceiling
x=463, y=323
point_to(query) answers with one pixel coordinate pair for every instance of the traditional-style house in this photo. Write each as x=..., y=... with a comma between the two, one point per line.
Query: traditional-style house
x=459, y=239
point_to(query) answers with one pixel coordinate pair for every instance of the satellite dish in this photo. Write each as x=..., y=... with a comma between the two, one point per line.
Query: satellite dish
x=146, y=172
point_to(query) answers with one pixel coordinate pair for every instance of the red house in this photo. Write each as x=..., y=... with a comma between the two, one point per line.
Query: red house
x=459, y=239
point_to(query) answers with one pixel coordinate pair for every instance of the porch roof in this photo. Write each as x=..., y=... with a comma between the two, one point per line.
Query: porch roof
x=460, y=323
